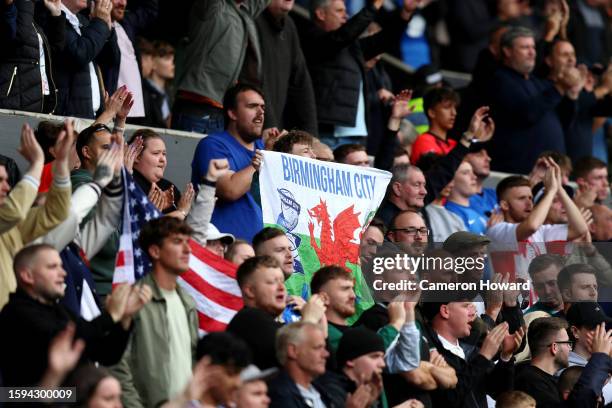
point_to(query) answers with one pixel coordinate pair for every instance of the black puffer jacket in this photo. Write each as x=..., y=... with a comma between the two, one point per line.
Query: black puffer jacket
x=71, y=67
x=20, y=78
x=336, y=61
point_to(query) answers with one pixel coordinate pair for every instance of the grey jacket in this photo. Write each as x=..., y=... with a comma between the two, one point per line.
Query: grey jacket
x=219, y=32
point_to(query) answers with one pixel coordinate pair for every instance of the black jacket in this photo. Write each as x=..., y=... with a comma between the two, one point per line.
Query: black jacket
x=477, y=376
x=579, y=137
x=336, y=63
x=527, y=112
x=71, y=68
x=290, y=100
x=153, y=101
x=20, y=79
x=284, y=393
x=134, y=21
x=591, y=47
x=258, y=329
x=469, y=23
x=28, y=327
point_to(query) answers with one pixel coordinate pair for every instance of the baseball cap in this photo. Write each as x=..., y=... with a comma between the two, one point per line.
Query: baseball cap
x=588, y=314
x=212, y=234
x=253, y=373
x=460, y=240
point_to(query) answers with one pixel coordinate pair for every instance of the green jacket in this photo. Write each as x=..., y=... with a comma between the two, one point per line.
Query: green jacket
x=219, y=31
x=143, y=370
x=103, y=264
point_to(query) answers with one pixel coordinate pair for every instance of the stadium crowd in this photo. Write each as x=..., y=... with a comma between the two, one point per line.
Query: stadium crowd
x=253, y=76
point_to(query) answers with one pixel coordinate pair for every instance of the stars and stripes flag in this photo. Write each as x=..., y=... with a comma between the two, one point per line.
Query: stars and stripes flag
x=132, y=263
x=211, y=280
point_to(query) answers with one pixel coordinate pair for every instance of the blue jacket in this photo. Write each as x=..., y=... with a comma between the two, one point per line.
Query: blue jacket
x=590, y=382
x=284, y=393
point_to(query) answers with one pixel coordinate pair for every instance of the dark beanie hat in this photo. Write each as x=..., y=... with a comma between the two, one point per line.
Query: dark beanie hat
x=356, y=342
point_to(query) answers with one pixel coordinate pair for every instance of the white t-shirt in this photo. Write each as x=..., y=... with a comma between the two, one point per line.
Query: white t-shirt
x=453, y=348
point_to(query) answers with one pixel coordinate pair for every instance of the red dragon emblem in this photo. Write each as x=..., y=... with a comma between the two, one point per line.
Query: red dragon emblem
x=336, y=246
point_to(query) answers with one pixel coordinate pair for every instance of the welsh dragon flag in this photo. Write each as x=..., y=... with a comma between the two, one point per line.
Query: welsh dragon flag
x=323, y=208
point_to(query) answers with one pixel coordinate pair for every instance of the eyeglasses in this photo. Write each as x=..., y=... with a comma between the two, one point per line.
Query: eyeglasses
x=571, y=343
x=413, y=231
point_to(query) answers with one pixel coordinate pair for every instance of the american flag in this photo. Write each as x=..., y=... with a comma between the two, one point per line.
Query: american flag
x=132, y=263
x=211, y=280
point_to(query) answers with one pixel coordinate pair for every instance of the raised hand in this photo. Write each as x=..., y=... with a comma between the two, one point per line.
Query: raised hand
x=511, y=344
x=510, y=295
x=184, y=204
x=106, y=166
x=297, y=301
x=587, y=215
x=539, y=170
x=400, y=104
x=217, y=168
x=30, y=148
x=131, y=153
x=493, y=341
x=156, y=196
x=139, y=296
x=200, y=382
x=126, y=106
x=359, y=398
x=494, y=299
x=64, y=142
x=600, y=341
x=64, y=352
x=102, y=9
x=482, y=126
x=314, y=310
x=113, y=104
x=551, y=180
x=168, y=197
x=385, y=96
x=117, y=301
x=270, y=136
x=54, y=7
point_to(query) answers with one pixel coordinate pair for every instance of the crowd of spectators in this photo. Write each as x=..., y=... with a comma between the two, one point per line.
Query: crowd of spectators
x=253, y=76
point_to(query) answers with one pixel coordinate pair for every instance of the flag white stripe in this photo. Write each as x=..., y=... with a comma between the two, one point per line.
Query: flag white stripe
x=206, y=306
x=213, y=277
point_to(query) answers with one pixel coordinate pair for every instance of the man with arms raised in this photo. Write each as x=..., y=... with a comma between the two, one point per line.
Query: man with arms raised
x=523, y=226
